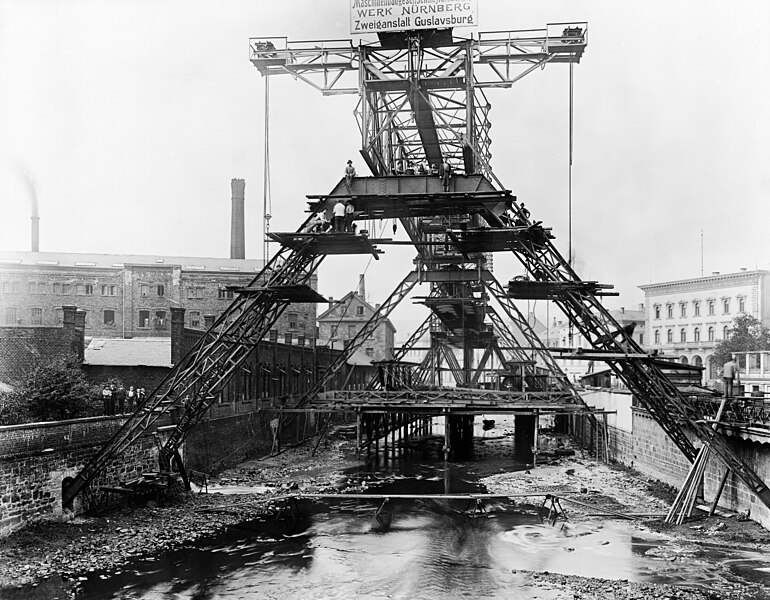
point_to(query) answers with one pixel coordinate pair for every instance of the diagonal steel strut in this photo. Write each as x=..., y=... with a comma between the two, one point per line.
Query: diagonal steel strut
x=197, y=380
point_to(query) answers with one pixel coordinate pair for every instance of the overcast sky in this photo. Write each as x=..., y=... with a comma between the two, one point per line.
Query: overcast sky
x=127, y=119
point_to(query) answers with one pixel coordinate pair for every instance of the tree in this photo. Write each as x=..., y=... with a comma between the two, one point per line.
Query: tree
x=747, y=335
x=14, y=408
x=57, y=390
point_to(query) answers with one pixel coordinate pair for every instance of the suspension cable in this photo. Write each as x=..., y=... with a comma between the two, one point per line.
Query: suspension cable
x=266, y=199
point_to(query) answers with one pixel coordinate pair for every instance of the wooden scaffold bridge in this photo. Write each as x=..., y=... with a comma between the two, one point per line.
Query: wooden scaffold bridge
x=421, y=100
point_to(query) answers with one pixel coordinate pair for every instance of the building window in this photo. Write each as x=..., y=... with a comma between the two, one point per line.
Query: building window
x=160, y=319
x=696, y=335
x=641, y=339
x=726, y=332
x=144, y=290
x=33, y=288
x=711, y=334
x=194, y=293
x=293, y=317
x=351, y=331
x=36, y=316
x=682, y=309
x=726, y=306
x=670, y=311
x=161, y=290
x=195, y=319
x=670, y=336
x=208, y=321
x=225, y=294
x=6, y=287
x=683, y=335
x=10, y=315
x=657, y=311
x=657, y=337
x=61, y=288
x=144, y=318
x=84, y=289
x=696, y=308
x=741, y=305
x=359, y=311
x=109, y=290
x=109, y=317
x=370, y=351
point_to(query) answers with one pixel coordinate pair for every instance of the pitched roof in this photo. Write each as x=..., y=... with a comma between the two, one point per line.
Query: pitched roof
x=347, y=299
x=136, y=352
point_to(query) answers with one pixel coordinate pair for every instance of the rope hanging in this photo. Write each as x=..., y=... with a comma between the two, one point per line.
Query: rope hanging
x=266, y=199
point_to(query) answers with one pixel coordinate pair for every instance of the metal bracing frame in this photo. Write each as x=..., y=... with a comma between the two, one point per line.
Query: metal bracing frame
x=490, y=349
x=399, y=353
x=377, y=318
x=423, y=372
x=426, y=401
x=396, y=85
x=540, y=351
x=454, y=365
x=199, y=378
x=665, y=403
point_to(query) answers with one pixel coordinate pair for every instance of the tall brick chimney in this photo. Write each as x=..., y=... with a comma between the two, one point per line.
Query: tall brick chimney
x=35, y=240
x=237, y=225
x=361, y=287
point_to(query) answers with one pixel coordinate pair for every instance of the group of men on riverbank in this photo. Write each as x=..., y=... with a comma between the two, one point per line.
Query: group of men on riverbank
x=119, y=401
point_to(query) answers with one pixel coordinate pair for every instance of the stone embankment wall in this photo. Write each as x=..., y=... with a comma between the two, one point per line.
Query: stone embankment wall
x=223, y=441
x=648, y=449
x=35, y=458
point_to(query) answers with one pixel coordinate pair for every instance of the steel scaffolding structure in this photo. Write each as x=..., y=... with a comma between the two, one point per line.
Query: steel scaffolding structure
x=421, y=99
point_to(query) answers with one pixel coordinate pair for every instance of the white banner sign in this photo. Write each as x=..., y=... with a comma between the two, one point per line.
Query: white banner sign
x=371, y=16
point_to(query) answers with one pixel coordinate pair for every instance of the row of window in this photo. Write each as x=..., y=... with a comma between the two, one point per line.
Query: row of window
x=90, y=289
x=710, y=333
x=696, y=308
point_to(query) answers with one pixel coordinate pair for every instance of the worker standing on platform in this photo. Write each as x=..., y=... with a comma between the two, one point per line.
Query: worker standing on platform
x=467, y=155
x=445, y=174
x=350, y=173
x=730, y=374
x=350, y=209
x=339, y=217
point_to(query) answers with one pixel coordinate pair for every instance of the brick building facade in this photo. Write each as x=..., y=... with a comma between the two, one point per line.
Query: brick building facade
x=128, y=296
x=23, y=348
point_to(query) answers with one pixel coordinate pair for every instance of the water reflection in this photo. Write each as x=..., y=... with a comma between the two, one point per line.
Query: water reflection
x=432, y=549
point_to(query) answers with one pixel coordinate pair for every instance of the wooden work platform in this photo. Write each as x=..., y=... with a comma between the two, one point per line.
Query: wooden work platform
x=395, y=196
x=289, y=293
x=327, y=243
x=444, y=401
x=458, y=313
x=501, y=239
x=524, y=289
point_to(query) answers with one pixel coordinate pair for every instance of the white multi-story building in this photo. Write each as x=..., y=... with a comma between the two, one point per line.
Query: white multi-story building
x=688, y=318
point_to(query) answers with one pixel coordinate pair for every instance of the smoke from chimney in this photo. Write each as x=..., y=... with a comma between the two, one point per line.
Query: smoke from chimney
x=237, y=224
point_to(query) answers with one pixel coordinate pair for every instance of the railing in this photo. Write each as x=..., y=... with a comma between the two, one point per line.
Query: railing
x=740, y=411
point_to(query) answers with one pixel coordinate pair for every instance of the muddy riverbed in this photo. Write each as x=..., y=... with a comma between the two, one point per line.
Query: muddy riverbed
x=218, y=545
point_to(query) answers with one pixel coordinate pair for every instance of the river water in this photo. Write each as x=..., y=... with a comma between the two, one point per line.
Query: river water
x=336, y=549
x=432, y=549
